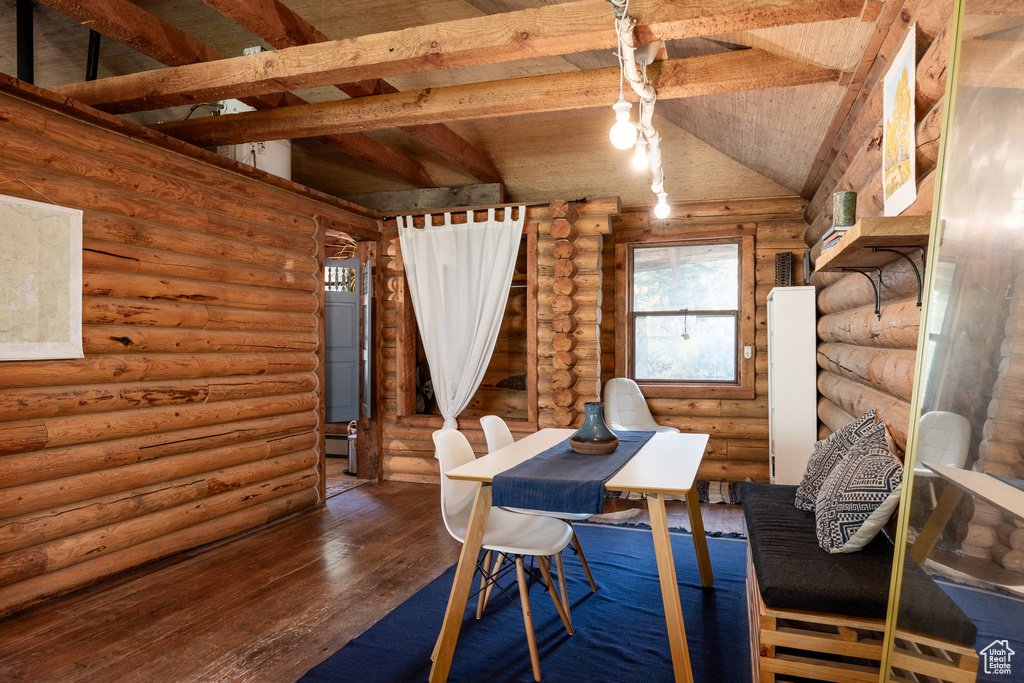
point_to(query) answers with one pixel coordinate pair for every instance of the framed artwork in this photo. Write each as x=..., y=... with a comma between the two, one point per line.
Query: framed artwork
x=40, y=280
x=899, y=171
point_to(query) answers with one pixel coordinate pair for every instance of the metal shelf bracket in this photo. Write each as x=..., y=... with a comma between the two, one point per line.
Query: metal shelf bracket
x=877, y=288
x=918, y=273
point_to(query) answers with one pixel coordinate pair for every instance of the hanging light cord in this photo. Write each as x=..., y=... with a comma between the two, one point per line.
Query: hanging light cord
x=624, y=26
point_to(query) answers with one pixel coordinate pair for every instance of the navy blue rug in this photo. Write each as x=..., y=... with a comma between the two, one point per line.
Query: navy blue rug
x=620, y=629
x=1000, y=643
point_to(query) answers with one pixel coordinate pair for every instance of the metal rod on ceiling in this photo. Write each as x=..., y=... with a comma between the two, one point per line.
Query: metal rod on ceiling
x=25, y=47
x=464, y=209
x=92, y=58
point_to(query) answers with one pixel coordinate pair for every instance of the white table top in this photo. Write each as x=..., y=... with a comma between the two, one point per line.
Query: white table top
x=666, y=464
x=986, y=487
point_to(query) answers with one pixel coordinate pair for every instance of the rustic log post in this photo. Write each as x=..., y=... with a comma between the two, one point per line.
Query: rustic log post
x=564, y=305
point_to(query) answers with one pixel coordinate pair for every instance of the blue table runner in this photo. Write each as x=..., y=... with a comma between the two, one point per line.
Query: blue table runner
x=562, y=480
x=1016, y=483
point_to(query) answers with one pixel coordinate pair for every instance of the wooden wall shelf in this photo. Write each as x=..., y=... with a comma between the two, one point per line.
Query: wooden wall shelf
x=889, y=232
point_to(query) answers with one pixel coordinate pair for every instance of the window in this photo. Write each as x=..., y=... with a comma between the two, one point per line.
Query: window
x=685, y=306
x=688, y=312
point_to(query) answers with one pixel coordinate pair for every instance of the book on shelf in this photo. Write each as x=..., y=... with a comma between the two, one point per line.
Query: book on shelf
x=835, y=231
x=833, y=235
x=832, y=242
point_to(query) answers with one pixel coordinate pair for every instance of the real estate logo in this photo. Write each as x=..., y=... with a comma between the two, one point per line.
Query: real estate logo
x=997, y=657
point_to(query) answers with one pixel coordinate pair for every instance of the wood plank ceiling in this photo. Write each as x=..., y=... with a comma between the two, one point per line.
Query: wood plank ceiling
x=749, y=96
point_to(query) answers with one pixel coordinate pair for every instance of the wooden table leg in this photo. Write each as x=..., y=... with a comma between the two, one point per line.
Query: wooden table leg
x=925, y=541
x=700, y=540
x=461, y=585
x=669, y=589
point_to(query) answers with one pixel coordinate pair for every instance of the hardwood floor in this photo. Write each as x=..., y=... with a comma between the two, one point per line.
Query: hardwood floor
x=265, y=606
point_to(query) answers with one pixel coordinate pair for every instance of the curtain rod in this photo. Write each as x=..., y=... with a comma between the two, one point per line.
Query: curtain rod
x=460, y=209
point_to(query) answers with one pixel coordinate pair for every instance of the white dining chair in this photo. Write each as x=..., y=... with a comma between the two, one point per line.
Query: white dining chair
x=498, y=436
x=514, y=535
x=625, y=408
x=944, y=439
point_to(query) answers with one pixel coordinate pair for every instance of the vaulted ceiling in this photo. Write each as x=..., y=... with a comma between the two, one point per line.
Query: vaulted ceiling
x=751, y=92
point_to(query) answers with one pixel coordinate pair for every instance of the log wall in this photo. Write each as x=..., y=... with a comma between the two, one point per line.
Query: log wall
x=738, y=428
x=195, y=413
x=866, y=362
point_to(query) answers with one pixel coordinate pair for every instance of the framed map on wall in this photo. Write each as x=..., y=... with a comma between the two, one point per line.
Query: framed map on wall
x=40, y=280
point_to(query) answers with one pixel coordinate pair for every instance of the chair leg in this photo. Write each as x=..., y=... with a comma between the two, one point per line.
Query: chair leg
x=542, y=562
x=583, y=558
x=561, y=583
x=490, y=586
x=484, y=582
x=524, y=596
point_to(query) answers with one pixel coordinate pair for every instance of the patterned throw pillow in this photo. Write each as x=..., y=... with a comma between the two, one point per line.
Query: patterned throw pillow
x=858, y=496
x=827, y=453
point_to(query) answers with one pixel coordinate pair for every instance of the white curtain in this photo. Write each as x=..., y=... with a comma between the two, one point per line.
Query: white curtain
x=459, y=276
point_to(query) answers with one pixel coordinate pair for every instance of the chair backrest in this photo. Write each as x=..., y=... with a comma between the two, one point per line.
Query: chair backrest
x=496, y=432
x=944, y=439
x=453, y=450
x=625, y=407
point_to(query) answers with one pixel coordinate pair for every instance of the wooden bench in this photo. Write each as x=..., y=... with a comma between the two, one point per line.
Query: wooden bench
x=819, y=616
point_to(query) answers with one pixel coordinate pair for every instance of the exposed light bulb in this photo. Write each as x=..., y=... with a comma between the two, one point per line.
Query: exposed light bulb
x=661, y=209
x=640, y=158
x=623, y=133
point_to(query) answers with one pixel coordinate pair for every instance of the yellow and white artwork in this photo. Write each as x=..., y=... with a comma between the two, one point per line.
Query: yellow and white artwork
x=899, y=170
x=40, y=280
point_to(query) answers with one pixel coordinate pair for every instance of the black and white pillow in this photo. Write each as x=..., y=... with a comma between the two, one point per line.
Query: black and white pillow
x=827, y=453
x=858, y=496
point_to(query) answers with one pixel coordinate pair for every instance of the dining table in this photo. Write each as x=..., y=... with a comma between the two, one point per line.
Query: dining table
x=665, y=466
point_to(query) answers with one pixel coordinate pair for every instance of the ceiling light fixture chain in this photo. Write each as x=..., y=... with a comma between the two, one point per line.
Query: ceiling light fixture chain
x=625, y=25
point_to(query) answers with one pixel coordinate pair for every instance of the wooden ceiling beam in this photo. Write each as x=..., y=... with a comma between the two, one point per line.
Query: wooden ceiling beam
x=752, y=69
x=549, y=30
x=283, y=28
x=132, y=26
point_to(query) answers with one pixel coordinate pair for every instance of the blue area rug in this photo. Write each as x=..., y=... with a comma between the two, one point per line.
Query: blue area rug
x=1000, y=630
x=620, y=629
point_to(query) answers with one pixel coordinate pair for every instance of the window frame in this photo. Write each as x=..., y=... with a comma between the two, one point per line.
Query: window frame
x=741, y=235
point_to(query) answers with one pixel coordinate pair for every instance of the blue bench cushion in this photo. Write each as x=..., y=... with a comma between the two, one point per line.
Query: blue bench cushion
x=794, y=573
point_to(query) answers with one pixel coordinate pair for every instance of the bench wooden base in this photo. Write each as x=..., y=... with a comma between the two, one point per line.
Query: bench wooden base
x=790, y=643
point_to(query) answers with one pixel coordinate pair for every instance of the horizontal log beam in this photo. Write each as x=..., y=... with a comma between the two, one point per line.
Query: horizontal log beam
x=283, y=28
x=32, y=498
x=888, y=370
x=150, y=367
x=855, y=398
x=28, y=404
x=551, y=30
x=166, y=288
x=736, y=71
x=28, y=435
x=897, y=328
x=130, y=25
x=279, y=432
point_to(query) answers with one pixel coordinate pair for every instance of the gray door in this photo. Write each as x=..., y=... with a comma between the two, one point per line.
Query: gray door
x=341, y=339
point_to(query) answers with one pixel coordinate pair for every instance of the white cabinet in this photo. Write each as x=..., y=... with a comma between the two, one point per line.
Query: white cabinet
x=792, y=382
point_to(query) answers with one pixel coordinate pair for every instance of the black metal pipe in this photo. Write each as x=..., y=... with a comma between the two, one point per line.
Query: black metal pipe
x=92, y=59
x=25, y=49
